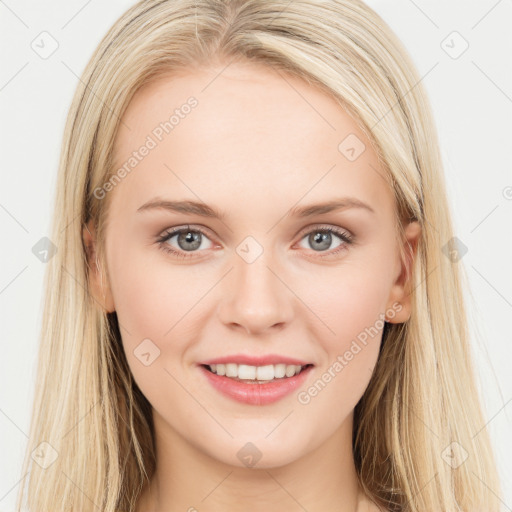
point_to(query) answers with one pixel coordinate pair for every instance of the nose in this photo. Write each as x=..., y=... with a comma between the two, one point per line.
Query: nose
x=256, y=297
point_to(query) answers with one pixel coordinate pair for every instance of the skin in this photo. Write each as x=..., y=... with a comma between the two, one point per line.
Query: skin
x=258, y=144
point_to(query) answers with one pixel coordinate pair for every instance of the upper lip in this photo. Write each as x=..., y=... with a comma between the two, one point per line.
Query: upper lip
x=255, y=360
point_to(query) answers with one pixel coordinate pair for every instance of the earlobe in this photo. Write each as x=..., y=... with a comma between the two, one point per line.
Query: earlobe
x=98, y=287
x=401, y=292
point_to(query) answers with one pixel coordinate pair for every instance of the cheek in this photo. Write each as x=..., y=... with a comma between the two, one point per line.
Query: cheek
x=153, y=303
x=161, y=302
x=151, y=296
x=348, y=300
x=351, y=305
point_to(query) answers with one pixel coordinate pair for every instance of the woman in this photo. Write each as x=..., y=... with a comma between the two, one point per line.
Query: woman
x=309, y=349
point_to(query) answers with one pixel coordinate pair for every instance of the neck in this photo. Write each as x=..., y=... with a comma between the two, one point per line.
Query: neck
x=188, y=479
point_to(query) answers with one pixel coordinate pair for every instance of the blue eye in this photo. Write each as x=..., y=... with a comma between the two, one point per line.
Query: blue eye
x=191, y=240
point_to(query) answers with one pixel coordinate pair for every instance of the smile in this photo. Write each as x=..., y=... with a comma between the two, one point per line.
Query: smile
x=255, y=385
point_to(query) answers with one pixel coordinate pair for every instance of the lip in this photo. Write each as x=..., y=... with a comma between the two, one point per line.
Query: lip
x=255, y=394
x=255, y=360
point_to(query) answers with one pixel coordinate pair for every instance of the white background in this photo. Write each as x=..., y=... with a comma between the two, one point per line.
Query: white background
x=472, y=101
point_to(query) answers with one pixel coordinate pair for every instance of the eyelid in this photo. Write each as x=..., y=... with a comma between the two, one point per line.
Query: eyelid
x=177, y=229
x=327, y=227
x=347, y=238
x=205, y=231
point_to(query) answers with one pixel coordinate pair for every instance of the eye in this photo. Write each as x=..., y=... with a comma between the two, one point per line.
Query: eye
x=321, y=238
x=188, y=240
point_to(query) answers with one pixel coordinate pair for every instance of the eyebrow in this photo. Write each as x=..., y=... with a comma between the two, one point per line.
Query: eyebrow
x=202, y=209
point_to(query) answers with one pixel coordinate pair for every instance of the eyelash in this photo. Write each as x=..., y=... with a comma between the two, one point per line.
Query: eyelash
x=347, y=238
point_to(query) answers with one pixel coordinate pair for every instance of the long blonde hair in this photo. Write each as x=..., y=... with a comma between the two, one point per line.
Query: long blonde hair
x=91, y=425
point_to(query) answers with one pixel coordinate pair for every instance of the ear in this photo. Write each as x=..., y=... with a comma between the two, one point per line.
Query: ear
x=402, y=287
x=97, y=283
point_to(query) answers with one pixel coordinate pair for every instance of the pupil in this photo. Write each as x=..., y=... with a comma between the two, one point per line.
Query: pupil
x=189, y=237
x=323, y=240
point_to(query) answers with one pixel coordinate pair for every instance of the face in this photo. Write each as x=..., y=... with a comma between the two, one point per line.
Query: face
x=257, y=147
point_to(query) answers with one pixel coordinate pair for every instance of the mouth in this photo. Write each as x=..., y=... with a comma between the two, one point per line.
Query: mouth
x=256, y=374
x=253, y=385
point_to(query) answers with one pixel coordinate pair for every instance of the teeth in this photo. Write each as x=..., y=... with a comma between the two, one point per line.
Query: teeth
x=263, y=373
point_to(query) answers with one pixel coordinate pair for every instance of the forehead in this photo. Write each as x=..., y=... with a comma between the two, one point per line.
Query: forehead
x=253, y=133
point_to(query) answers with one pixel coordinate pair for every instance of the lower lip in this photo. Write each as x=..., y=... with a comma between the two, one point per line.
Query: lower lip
x=256, y=394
